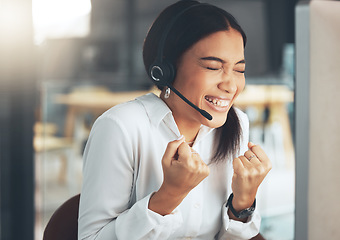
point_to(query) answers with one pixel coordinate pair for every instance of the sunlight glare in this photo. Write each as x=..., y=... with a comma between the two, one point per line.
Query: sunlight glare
x=61, y=18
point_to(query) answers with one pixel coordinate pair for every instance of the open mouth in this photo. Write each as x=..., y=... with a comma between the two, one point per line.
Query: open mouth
x=217, y=102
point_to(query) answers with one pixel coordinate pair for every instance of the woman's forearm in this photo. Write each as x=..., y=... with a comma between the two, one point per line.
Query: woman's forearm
x=163, y=202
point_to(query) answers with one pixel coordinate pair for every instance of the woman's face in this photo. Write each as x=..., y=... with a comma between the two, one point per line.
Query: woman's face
x=211, y=75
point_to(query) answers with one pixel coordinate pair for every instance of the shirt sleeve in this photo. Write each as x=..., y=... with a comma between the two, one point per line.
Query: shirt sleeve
x=105, y=211
x=237, y=230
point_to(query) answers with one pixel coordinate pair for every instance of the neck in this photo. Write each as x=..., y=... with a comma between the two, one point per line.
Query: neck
x=188, y=127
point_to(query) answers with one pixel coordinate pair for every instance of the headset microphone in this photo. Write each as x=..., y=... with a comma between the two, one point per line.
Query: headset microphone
x=201, y=111
x=162, y=72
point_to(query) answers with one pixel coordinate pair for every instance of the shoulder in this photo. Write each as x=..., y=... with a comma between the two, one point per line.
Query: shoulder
x=130, y=117
x=127, y=114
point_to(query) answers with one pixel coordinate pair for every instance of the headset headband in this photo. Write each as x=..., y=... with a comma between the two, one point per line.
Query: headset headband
x=167, y=30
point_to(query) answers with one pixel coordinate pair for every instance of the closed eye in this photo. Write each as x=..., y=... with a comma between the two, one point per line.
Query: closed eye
x=212, y=63
x=214, y=69
x=240, y=66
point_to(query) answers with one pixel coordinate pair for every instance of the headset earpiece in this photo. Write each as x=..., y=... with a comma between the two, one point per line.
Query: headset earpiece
x=162, y=73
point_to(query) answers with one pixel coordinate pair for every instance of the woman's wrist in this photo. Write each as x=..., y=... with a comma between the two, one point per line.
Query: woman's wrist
x=164, y=202
x=240, y=203
x=239, y=213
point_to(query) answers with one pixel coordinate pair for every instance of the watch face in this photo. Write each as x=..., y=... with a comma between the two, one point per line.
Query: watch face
x=246, y=212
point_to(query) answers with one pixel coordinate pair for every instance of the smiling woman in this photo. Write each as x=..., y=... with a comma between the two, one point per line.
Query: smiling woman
x=60, y=18
x=156, y=167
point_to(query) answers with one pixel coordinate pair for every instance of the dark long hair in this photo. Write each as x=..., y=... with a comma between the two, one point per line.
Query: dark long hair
x=195, y=24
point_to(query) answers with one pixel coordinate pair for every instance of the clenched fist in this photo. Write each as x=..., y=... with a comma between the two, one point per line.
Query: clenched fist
x=183, y=170
x=249, y=171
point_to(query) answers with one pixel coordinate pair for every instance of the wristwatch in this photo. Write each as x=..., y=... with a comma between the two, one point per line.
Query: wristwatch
x=243, y=213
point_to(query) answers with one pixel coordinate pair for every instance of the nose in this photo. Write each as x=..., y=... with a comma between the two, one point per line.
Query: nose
x=228, y=83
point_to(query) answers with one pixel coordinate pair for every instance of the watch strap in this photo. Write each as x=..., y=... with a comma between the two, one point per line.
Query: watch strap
x=243, y=213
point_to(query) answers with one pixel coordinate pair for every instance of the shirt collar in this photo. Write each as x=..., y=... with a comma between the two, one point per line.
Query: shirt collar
x=158, y=111
x=155, y=108
x=204, y=131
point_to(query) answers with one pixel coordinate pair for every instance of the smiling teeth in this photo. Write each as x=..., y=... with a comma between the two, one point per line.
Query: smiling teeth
x=218, y=102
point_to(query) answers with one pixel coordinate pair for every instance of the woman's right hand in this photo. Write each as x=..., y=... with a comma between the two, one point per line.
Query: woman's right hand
x=183, y=170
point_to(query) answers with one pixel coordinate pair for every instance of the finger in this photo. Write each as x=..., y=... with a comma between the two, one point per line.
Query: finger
x=195, y=155
x=250, y=145
x=258, y=151
x=203, y=168
x=184, y=152
x=251, y=157
x=238, y=165
x=196, y=158
x=245, y=161
x=171, y=149
x=261, y=155
x=193, y=150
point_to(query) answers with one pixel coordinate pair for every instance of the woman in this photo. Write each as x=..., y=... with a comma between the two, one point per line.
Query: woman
x=155, y=168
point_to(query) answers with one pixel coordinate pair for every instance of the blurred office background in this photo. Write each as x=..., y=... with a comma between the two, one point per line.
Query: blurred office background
x=63, y=63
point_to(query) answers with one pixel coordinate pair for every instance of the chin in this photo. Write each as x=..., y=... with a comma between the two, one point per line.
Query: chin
x=216, y=122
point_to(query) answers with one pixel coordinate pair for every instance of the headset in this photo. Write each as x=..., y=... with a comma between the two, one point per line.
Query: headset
x=162, y=72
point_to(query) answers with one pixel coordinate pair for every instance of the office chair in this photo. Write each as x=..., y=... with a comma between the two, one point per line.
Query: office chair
x=64, y=222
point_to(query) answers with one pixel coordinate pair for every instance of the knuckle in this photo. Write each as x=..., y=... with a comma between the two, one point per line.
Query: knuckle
x=204, y=167
x=261, y=170
x=245, y=173
x=248, y=152
x=170, y=144
x=253, y=172
x=171, y=147
x=195, y=157
x=191, y=167
x=267, y=166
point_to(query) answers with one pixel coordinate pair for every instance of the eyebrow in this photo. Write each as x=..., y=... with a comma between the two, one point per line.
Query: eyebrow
x=219, y=60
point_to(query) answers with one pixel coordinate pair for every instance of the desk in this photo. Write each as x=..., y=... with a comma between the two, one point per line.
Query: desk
x=274, y=97
x=48, y=146
x=95, y=102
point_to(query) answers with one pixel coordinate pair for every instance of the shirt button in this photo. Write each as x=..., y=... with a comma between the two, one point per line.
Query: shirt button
x=197, y=205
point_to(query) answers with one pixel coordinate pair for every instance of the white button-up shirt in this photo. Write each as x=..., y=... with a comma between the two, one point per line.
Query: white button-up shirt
x=122, y=168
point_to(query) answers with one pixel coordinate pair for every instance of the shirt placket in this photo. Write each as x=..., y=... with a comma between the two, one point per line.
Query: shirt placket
x=196, y=211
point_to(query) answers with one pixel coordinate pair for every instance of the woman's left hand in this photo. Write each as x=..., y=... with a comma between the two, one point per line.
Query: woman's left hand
x=249, y=171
